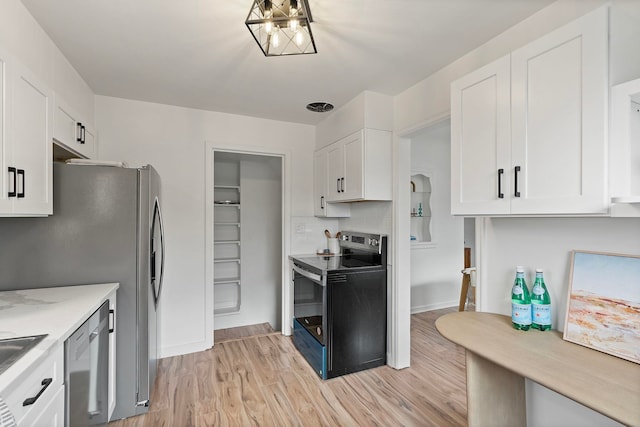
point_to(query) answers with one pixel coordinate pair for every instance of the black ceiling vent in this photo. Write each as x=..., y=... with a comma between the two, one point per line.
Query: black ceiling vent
x=319, y=107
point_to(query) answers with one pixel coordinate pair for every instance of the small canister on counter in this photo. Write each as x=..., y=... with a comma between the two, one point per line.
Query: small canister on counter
x=333, y=245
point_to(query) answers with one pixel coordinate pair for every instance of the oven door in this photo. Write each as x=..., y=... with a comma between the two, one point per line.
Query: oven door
x=309, y=302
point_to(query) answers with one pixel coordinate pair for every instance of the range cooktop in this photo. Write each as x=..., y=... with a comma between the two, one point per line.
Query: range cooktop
x=337, y=262
x=359, y=251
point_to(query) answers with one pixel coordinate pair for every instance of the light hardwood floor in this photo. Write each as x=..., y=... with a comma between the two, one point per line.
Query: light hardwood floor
x=264, y=381
x=231, y=334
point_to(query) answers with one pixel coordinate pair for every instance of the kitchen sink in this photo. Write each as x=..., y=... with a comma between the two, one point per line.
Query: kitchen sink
x=12, y=349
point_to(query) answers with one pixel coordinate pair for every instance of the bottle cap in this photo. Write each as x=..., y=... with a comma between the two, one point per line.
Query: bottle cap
x=520, y=269
x=538, y=270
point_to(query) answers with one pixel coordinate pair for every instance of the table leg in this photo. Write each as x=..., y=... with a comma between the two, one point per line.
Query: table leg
x=495, y=396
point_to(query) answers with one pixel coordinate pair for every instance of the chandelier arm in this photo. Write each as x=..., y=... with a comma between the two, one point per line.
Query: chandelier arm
x=307, y=11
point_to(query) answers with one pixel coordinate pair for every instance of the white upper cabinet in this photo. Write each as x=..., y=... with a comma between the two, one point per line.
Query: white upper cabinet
x=27, y=184
x=335, y=172
x=6, y=203
x=353, y=176
x=70, y=131
x=320, y=206
x=32, y=151
x=529, y=131
x=481, y=143
x=559, y=119
x=359, y=167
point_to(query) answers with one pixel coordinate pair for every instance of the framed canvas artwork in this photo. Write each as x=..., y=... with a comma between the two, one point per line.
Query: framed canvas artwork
x=603, y=306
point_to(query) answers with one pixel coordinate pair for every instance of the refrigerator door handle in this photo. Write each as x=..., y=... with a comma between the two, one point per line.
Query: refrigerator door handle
x=157, y=218
x=162, y=255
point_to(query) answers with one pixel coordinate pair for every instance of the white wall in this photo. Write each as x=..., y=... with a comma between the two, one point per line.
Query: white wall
x=435, y=270
x=624, y=59
x=21, y=35
x=173, y=140
x=307, y=233
x=547, y=243
x=369, y=217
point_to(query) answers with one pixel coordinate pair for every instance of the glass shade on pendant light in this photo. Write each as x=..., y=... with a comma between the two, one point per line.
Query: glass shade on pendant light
x=268, y=24
x=281, y=27
x=275, y=38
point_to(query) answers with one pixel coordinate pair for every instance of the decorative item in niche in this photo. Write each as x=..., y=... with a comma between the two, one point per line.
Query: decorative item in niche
x=421, y=207
x=603, y=307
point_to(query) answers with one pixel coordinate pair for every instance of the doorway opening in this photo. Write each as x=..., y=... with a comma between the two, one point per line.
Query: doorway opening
x=437, y=238
x=245, y=219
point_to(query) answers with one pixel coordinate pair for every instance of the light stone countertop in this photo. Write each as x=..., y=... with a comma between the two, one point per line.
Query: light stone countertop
x=57, y=312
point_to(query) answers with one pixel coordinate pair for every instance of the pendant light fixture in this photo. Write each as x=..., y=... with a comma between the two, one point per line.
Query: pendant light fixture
x=281, y=27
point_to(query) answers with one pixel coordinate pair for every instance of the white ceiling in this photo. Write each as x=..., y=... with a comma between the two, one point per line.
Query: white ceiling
x=199, y=53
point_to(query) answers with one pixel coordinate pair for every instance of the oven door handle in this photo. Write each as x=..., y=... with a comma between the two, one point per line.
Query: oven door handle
x=309, y=275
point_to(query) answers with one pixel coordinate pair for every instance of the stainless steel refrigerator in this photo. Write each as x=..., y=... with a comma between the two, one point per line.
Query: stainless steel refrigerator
x=106, y=227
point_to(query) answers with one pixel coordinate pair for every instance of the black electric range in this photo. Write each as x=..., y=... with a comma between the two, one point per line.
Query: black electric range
x=340, y=305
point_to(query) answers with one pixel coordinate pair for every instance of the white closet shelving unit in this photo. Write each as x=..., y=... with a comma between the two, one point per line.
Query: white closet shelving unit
x=226, y=252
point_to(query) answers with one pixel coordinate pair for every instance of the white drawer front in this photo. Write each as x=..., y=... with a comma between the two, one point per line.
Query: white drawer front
x=52, y=367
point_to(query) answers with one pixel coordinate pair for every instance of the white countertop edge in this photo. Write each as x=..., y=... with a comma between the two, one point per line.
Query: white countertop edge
x=78, y=303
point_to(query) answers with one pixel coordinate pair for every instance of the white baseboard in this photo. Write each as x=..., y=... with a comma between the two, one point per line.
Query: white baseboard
x=431, y=307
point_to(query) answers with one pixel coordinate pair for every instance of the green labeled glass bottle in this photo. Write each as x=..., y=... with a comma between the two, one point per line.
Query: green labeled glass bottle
x=540, y=304
x=520, y=302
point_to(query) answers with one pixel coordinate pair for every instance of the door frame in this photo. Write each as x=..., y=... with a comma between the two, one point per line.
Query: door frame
x=399, y=354
x=285, y=155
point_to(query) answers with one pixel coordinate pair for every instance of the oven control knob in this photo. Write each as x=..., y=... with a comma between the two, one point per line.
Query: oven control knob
x=373, y=242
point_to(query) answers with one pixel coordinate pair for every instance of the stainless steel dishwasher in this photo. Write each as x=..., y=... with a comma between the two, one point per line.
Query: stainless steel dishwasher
x=87, y=372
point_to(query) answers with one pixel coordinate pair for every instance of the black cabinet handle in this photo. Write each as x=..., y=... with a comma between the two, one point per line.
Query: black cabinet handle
x=82, y=134
x=516, y=192
x=500, y=193
x=338, y=185
x=31, y=400
x=112, y=321
x=79, y=132
x=342, y=185
x=12, y=171
x=21, y=193
x=321, y=202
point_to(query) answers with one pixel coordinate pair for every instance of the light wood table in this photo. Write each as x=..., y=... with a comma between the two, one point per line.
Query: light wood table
x=500, y=357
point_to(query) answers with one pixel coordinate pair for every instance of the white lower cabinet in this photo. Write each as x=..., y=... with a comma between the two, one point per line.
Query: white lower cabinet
x=44, y=386
x=529, y=131
x=53, y=414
